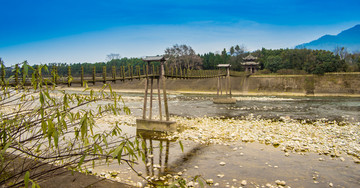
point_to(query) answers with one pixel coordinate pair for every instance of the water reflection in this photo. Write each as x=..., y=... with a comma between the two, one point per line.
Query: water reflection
x=153, y=145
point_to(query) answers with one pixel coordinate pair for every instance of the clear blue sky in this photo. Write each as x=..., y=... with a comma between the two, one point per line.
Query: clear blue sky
x=45, y=31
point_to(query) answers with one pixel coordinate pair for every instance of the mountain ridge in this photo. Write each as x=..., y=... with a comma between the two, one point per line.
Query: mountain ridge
x=349, y=38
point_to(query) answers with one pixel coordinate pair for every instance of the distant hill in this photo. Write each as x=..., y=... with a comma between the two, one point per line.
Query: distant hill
x=349, y=38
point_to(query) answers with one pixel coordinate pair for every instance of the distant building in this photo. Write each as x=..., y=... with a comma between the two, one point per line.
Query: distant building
x=250, y=65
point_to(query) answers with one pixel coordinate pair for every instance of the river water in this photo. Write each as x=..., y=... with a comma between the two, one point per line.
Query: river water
x=228, y=165
x=302, y=108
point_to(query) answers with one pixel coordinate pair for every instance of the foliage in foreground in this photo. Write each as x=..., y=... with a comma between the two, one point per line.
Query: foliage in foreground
x=41, y=126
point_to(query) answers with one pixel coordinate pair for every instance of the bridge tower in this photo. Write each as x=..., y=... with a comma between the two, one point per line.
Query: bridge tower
x=227, y=98
x=148, y=122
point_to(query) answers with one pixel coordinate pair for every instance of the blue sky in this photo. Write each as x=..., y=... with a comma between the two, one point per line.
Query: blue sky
x=45, y=31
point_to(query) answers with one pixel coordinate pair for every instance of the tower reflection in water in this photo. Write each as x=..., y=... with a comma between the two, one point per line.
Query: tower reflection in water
x=156, y=148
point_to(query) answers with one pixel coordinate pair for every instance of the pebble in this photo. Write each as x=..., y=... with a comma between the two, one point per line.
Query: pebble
x=287, y=154
x=321, y=159
x=210, y=181
x=331, y=184
x=222, y=163
x=220, y=175
x=342, y=159
x=196, y=167
x=243, y=182
x=356, y=160
x=279, y=182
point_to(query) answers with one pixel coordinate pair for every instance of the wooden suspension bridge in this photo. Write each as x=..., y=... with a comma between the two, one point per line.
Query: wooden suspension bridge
x=149, y=72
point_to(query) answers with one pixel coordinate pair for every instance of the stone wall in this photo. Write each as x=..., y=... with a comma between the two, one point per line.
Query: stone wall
x=332, y=84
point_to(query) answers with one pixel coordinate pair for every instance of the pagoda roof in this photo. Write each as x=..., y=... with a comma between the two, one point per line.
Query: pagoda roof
x=223, y=65
x=250, y=58
x=154, y=58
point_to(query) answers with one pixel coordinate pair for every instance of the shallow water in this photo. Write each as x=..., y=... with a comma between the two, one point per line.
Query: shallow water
x=303, y=108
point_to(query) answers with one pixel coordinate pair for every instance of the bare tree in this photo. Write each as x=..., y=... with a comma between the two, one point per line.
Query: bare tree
x=183, y=56
x=112, y=56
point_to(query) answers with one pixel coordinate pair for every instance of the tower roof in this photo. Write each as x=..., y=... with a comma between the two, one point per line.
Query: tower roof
x=250, y=58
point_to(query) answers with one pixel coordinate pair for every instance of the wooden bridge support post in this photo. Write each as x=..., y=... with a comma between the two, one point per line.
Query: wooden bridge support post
x=228, y=80
x=146, y=91
x=159, y=98
x=151, y=96
x=104, y=74
x=139, y=73
x=123, y=73
x=69, y=76
x=131, y=72
x=54, y=74
x=113, y=73
x=94, y=75
x=82, y=77
x=23, y=75
x=16, y=74
x=162, y=77
x=3, y=72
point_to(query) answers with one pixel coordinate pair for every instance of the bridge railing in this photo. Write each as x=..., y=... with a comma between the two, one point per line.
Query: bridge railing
x=122, y=73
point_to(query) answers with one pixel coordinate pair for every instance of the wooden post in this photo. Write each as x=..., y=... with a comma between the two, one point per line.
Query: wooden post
x=146, y=92
x=23, y=76
x=139, y=73
x=16, y=74
x=218, y=86
x=94, y=75
x=2, y=72
x=131, y=72
x=82, y=76
x=69, y=76
x=54, y=74
x=104, y=74
x=229, y=81
x=162, y=77
x=147, y=71
x=159, y=98
x=113, y=72
x=123, y=69
x=172, y=71
x=144, y=69
x=151, y=96
x=221, y=85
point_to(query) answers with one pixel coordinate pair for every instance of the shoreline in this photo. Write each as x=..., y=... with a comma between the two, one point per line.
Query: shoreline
x=282, y=94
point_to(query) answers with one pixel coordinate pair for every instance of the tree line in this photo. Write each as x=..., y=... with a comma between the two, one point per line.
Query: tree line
x=282, y=61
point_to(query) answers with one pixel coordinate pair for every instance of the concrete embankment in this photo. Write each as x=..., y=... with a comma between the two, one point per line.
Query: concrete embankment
x=332, y=84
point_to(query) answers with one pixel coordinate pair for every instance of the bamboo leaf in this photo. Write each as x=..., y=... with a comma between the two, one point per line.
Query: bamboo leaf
x=81, y=160
x=181, y=146
x=26, y=178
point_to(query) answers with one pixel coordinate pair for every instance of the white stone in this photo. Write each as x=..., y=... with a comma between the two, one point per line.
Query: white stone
x=243, y=182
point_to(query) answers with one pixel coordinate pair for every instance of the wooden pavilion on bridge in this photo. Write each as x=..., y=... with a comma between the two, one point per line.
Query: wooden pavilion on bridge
x=250, y=64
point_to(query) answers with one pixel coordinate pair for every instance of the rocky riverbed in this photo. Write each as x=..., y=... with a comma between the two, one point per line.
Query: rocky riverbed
x=233, y=152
